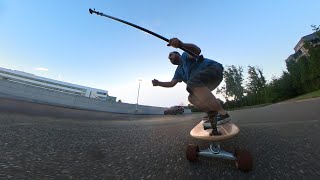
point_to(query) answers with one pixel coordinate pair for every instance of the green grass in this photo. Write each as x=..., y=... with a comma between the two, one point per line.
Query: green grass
x=313, y=94
x=249, y=107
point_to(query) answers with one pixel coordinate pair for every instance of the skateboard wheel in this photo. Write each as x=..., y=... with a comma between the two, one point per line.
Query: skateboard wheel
x=192, y=152
x=244, y=161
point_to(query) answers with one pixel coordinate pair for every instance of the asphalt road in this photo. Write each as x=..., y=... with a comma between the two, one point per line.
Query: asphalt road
x=45, y=142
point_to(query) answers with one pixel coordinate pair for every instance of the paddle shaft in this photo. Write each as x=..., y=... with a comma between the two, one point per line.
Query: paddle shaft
x=145, y=30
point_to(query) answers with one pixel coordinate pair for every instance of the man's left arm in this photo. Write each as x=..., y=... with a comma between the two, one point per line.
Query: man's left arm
x=192, y=47
x=176, y=43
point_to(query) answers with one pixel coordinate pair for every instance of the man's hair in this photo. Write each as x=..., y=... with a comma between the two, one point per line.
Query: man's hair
x=176, y=52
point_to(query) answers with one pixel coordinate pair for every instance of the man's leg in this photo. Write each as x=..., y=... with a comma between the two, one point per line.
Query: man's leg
x=206, y=101
x=195, y=101
x=200, y=86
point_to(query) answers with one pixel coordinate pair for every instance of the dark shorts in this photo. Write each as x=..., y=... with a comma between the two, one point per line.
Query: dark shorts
x=210, y=77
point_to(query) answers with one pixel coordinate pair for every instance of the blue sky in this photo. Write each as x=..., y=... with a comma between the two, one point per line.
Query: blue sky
x=76, y=47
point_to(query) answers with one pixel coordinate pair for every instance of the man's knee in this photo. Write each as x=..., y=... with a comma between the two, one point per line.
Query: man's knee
x=191, y=98
x=189, y=89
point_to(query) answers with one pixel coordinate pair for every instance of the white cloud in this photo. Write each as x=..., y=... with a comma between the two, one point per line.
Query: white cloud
x=41, y=69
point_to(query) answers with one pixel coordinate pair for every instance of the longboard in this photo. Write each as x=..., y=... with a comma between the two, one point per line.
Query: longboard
x=227, y=130
x=243, y=159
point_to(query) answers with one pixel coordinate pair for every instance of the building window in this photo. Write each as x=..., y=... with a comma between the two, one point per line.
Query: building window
x=101, y=93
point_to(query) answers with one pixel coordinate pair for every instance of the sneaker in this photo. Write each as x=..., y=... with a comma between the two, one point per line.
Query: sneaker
x=205, y=118
x=222, y=119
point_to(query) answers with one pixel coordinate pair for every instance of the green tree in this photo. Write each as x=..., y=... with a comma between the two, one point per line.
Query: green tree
x=256, y=80
x=233, y=78
x=314, y=61
x=280, y=89
x=222, y=90
x=316, y=28
x=305, y=71
x=255, y=86
x=295, y=72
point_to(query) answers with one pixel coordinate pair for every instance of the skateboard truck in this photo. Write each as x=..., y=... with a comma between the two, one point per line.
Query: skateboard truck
x=243, y=159
x=215, y=150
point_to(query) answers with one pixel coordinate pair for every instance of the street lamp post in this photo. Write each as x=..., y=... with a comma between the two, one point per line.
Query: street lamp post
x=138, y=96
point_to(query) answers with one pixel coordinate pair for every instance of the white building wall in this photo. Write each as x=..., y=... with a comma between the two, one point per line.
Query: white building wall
x=40, y=95
x=31, y=79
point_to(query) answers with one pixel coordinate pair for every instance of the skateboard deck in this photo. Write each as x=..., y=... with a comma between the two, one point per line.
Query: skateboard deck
x=227, y=130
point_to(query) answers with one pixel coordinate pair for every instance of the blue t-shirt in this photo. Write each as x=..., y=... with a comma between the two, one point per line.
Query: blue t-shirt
x=190, y=66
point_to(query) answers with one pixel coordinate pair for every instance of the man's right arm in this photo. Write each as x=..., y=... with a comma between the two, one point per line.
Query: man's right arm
x=171, y=83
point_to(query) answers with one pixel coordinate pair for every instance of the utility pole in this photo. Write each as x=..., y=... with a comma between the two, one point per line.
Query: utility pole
x=138, y=96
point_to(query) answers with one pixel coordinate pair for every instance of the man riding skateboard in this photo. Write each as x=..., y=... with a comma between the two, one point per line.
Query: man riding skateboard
x=201, y=78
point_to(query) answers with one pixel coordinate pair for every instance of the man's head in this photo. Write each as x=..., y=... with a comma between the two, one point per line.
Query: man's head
x=174, y=57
